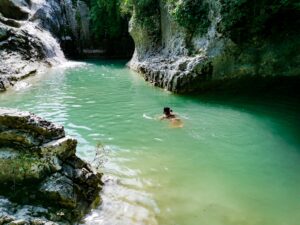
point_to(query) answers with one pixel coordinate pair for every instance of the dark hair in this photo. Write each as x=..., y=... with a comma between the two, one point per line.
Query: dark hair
x=167, y=110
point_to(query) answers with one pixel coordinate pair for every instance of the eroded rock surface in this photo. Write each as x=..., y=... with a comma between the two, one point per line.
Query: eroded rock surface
x=32, y=33
x=224, y=40
x=42, y=180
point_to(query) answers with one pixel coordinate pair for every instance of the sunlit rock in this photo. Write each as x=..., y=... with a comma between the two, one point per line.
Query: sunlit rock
x=34, y=34
x=184, y=45
x=39, y=166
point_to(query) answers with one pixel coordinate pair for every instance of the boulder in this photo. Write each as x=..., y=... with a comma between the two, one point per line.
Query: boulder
x=38, y=165
x=14, y=9
x=59, y=188
x=26, y=129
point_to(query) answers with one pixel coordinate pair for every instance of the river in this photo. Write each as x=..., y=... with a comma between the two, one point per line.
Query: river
x=233, y=162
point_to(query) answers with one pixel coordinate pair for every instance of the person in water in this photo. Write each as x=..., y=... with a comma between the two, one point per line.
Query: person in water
x=168, y=115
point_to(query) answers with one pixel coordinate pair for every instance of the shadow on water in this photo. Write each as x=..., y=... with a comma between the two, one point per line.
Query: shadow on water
x=278, y=103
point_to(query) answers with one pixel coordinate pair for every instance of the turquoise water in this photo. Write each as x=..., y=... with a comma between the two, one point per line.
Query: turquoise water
x=233, y=162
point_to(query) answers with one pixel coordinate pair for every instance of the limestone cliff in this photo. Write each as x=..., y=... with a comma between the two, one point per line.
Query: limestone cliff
x=184, y=44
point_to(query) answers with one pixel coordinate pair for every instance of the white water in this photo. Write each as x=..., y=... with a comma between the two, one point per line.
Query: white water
x=51, y=47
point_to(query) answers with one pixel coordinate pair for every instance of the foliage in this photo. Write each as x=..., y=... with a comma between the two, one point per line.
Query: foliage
x=74, y=2
x=190, y=14
x=101, y=156
x=146, y=12
x=244, y=19
x=106, y=19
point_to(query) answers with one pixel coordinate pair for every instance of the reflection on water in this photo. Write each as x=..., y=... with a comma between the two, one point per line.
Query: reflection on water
x=233, y=162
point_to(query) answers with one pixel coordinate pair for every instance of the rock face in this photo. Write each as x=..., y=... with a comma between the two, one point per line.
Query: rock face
x=41, y=177
x=188, y=44
x=32, y=33
x=67, y=21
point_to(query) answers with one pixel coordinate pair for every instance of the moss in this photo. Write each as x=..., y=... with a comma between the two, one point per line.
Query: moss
x=23, y=168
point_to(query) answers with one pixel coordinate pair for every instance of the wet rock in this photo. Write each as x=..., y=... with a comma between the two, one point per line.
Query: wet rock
x=3, y=33
x=25, y=48
x=22, y=167
x=19, y=124
x=41, y=222
x=63, y=147
x=32, y=34
x=19, y=222
x=14, y=9
x=59, y=189
x=39, y=166
x=5, y=219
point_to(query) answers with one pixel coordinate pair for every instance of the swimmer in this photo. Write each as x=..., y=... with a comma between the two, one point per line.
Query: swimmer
x=168, y=115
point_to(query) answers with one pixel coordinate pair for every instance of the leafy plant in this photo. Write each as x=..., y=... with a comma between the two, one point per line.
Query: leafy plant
x=101, y=156
x=243, y=19
x=190, y=14
x=146, y=12
x=108, y=19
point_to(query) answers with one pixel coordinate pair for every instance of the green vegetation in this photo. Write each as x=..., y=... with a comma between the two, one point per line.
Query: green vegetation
x=243, y=19
x=109, y=18
x=146, y=12
x=239, y=17
x=101, y=156
x=107, y=21
x=190, y=14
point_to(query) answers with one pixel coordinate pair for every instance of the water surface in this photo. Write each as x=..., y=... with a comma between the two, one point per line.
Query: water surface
x=233, y=163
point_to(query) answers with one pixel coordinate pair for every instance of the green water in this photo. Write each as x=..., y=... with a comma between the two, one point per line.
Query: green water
x=233, y=163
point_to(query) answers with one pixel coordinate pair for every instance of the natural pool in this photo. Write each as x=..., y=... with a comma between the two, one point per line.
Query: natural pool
x=233, y=163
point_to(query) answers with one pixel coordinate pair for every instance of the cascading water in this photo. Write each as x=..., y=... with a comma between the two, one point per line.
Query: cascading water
x=51, y=47
x=28, y=45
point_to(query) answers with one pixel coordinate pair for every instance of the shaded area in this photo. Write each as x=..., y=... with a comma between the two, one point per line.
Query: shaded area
x=255, y=86
x=259, y=96
x=108, y=33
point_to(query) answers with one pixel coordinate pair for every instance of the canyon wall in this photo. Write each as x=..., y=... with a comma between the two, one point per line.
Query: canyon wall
x=32, y=33
x=184, y=45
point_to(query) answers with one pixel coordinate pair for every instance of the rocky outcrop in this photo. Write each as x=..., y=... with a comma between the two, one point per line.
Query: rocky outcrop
x=41, y=177
x=25, y=48
x=184, y=45
x=32, y=33
x=68, y=21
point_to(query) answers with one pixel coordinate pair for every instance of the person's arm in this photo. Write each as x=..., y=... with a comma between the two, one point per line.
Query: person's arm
x=162, y=117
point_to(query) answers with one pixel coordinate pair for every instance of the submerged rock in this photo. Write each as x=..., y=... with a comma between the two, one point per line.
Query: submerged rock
x=41, y=178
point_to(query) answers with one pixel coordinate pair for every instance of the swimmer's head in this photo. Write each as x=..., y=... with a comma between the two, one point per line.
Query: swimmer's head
x=167, y=110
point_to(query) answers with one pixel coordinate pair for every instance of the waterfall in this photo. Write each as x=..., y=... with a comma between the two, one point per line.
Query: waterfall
x=51, y=46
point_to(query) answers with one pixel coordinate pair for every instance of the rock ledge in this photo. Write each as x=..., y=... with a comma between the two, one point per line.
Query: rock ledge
x=42, y=180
